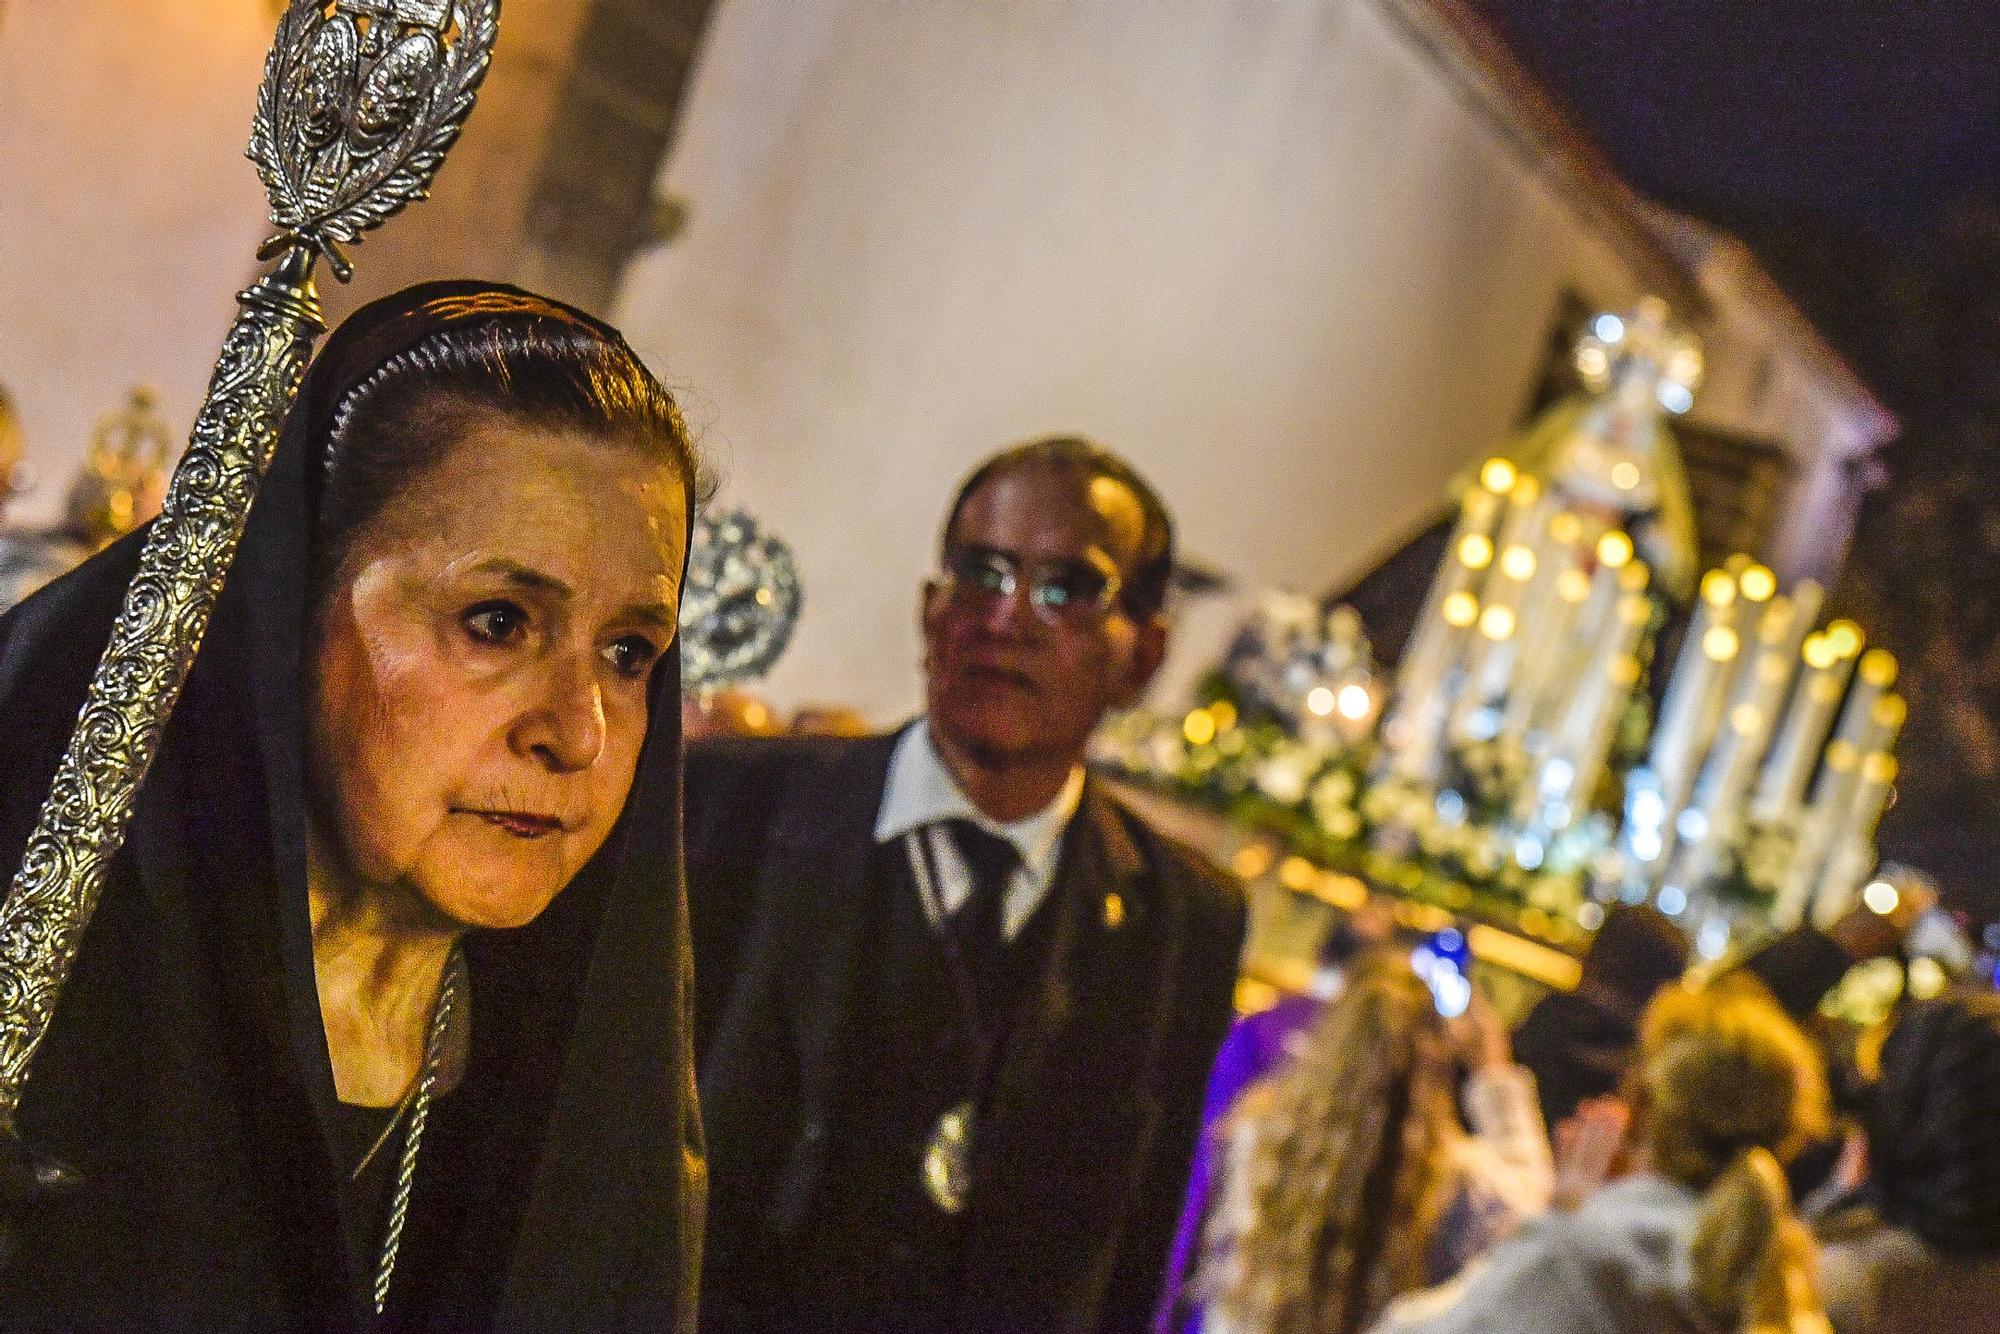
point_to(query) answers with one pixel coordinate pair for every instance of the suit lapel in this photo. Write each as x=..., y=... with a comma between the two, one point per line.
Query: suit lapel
x=1074, y=1123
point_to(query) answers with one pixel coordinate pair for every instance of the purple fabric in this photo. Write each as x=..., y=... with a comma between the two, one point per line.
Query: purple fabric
x=1255, y=1046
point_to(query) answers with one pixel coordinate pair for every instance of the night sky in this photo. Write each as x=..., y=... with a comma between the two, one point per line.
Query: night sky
x=1764, y=113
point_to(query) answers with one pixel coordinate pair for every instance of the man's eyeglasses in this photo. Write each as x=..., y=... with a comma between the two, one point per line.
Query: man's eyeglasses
x=1061, y=591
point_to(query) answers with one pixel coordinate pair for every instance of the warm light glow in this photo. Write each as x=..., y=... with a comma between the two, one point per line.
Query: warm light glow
x=1251, y=860
x=1354, y=702
x=1819, y=652
x=1566, y=528
x=1841, y=756
x=1635, y=610
x=1927, y=977
x=1720, y=643
x=1475, y=551
x=1717, y=588
x=1518, y=564
x=1614, y=549
x=1879, y=768
x=1526, y=491
x=1199, y=727
x=1881, y=897
x=1745, y=719
x=1845, y=637
x=1592, y=362
x=1758, y=583
x=1573, y=585
x=1498, y=476
x=1461, y=610
x=1625, y=475
x=1319, y=702
x=1342, y=891
x=1496, y=623
x=1878, y=668
x=1296, y=874
x=1890, y=710
x=1224, y=713
x=1624, y=671
x=1634, y=577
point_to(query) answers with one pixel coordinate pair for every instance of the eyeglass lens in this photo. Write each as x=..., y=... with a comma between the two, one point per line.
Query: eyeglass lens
x=1056, y=588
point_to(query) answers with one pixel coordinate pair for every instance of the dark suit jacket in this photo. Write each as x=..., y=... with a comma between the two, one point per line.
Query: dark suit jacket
x=1084, y=1171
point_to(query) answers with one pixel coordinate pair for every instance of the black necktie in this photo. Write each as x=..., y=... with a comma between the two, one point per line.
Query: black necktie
x=978, y=926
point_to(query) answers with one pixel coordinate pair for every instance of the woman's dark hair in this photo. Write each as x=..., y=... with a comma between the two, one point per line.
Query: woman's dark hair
x=512, y=358
x=1145, y=592
x=1635, y=954
x=1934, y=1129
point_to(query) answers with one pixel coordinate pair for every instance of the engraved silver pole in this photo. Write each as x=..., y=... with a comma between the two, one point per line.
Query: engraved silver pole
x=360, y=101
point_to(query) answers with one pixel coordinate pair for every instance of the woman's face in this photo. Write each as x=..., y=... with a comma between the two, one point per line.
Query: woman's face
x=480, y=699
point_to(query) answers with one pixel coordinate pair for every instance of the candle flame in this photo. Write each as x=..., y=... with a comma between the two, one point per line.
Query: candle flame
x=1497, y=476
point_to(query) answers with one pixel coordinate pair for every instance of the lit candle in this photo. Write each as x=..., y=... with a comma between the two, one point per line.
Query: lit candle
x=1740, y=745
x=1490, y=661
x=1853, y=855
x=1867, y=720
x=1412, y=726
x=1582, y=741
x=1701, y=673
x=1789, y=767
x=1562, y=585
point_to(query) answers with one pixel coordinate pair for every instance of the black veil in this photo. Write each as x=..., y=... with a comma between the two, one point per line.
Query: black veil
x=186, y=1075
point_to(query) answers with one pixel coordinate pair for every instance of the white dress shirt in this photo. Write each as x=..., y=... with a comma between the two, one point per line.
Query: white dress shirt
x=921, y=794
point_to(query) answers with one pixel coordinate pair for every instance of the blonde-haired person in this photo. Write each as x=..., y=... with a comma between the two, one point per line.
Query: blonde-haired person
x=1701, y=1238
x=1348, y=1177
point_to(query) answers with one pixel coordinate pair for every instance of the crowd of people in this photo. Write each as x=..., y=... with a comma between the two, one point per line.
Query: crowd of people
x=443, y=983
x=1391, y=1171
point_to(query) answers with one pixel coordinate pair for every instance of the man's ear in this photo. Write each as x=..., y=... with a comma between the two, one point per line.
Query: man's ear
x=1149, y=650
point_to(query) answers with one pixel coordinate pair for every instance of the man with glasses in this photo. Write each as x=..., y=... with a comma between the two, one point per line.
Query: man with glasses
x=956, y=1005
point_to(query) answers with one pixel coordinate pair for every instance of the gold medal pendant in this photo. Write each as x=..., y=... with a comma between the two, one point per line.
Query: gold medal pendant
x=948, y=1159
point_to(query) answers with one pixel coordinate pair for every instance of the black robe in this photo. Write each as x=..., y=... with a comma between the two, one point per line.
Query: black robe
x=186, y=1074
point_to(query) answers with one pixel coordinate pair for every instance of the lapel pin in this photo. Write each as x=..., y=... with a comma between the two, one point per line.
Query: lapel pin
x=1114, y=911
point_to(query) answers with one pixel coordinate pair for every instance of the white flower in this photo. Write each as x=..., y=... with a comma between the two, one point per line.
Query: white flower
x=1282, y=778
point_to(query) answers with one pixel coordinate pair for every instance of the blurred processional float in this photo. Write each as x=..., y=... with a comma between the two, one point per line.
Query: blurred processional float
x=1518, y=772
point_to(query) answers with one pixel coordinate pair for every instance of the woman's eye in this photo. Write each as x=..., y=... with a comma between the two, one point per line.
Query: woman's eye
x=496, y=622
x=633, y=656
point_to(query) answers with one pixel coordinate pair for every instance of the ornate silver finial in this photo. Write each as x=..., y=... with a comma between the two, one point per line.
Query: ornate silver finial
x=360, y=101
x=740, y=603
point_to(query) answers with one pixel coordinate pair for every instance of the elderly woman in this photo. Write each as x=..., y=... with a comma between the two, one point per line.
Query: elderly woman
x=382, y=1016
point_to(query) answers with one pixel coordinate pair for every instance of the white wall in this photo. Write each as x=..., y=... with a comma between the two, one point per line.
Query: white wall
x=129, y=217
x=1262, y=248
